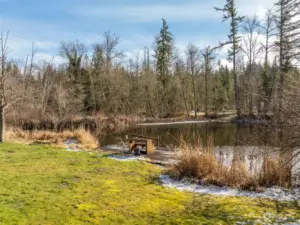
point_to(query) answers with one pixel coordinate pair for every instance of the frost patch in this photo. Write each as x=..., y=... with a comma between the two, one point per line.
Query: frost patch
x=127, y=158
x=275, y=193
x=118, y=148
x=72, y=145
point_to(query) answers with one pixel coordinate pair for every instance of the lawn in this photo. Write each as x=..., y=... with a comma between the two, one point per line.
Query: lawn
x=46, y=185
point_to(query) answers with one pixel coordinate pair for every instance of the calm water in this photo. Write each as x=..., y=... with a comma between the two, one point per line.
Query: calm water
x=223, y=134
x=250, y=140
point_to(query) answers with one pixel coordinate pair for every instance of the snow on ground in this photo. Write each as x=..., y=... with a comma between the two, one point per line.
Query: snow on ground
x=275, y=193
x=116, y=148
x=72, y=145
x=127, y=158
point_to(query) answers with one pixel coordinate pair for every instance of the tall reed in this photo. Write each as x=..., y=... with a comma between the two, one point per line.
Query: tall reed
x=199, y=163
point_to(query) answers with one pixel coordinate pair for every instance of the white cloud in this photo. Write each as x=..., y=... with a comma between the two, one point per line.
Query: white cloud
x=174, y=12
x=55, y=60
x=202, y=40
x=258, y=7
x=153, y=12
x=19, y=48
x=25, y=44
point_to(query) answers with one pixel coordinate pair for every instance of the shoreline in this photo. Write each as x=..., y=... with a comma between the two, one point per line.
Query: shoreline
x=182, y=122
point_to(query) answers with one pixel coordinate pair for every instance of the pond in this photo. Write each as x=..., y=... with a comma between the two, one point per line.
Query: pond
x=223, y=134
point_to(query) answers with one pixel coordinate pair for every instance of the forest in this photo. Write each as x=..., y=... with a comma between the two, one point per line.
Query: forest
x=162, y=82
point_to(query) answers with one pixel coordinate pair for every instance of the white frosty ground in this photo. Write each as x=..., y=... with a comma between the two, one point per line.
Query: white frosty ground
x=275, y=193
x=127, y=158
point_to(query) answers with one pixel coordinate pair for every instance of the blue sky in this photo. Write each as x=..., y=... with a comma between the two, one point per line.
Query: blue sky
x=47, y=23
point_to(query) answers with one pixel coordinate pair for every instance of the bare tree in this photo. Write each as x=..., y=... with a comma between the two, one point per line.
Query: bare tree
x=27, y=72
x=47, y=86
x=111, y=53
x=267, y=78
x=193, y=67
x=180, y=71
x=252, y=50
x=3, y=103
x=112, y=59
x=208, y=58
x=74, y=53
x=148, y=82
x=230, y=13
x=207, y=54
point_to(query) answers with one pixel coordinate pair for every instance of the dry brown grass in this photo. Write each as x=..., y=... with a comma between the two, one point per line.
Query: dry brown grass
x=276, y=171
x=97, y=123
x=84, y=138
x=199, y=162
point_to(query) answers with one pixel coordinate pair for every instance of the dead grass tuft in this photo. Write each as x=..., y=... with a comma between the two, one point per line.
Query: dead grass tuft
x=276, y=171
x=84, y=138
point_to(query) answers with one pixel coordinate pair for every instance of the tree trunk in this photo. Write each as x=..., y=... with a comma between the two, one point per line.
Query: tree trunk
x=93, y=93
x=195, y=96
x=2, y=124
x=250, y=92
x=206, y=95
x=184, y=97
x=281, y=69
x=236, y=83
x=236, y=90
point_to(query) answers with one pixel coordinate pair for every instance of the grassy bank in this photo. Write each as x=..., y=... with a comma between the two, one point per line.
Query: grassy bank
x=46, y=185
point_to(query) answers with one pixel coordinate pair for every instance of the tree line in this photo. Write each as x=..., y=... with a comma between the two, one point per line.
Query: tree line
x=162, y=82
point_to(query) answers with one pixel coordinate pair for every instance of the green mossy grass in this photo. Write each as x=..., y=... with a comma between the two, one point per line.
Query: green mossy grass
x=46, y=185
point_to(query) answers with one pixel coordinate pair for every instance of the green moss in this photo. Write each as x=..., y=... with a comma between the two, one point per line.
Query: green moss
x=46, y=185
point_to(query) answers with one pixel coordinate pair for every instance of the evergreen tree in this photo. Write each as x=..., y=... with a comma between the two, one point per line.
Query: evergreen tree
x=230, y=13
x=207, y=54
x=225, y=91
x=163, y=56
x=288, y=23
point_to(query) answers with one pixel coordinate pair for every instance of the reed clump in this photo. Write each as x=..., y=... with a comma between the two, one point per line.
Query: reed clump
x=199, y=163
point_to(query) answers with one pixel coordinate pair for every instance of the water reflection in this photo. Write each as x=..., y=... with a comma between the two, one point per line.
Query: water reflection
x=223, y=134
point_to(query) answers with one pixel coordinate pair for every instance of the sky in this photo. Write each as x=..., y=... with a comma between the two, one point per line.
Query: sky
x=136, y=22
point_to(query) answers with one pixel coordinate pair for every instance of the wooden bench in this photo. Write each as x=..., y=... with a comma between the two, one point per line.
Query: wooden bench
x=141, y=143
